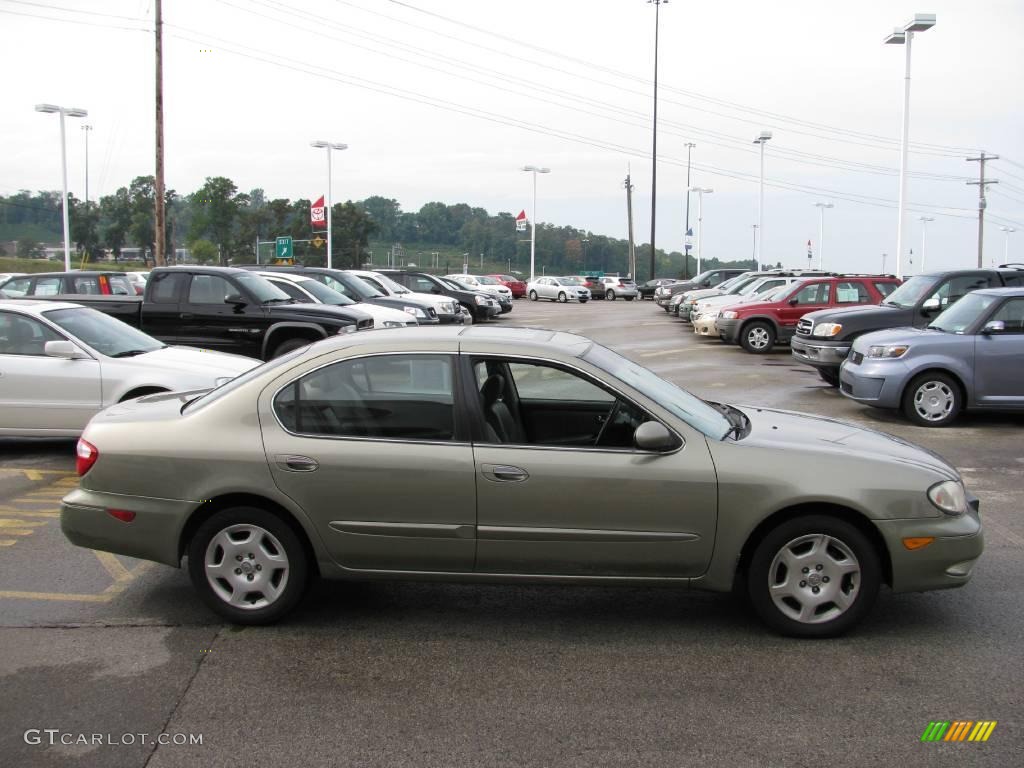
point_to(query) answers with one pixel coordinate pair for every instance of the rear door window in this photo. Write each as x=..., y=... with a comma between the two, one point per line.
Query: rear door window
x=815, y=293
x=164, y=287
x=17, y=287
x=88, y=285
x=47, y=286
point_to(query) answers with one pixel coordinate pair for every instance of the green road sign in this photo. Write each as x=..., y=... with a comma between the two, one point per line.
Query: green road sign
x=283, y=248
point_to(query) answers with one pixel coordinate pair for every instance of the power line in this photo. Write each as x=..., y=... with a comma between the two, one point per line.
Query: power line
x=73, y=10
x=73, y=21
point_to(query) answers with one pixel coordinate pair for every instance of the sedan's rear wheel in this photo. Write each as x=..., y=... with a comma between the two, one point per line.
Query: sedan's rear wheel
x=248, y=565
x=813, y=576
x=932, y=400
x=533, y=295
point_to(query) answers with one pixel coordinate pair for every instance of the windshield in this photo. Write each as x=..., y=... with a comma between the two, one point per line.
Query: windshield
x=487, y=281
x=390, y=284
x=324, y=294
x=691, y=409
x=508, y=278
x=741, y=283
x=911, y=292
x=261, y=288
x=752, y=287
x=216, y=394
x=102, y=332
x=963, y=313
x=351, y=286
x=454, y=285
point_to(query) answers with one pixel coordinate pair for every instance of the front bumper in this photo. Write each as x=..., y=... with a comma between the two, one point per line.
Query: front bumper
x=448, y=319
x=874, y=382
x=727, y=329
x=705, y=325
x=820, y=354
x=505, y=305
x=663, y=301
x=946, y=563
x=152, y=535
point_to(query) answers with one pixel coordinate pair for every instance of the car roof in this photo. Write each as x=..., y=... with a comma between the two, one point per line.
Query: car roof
x=74, y=272
x=1012, y=291
x=291, y=277
x=474, y=338
x=33, y=307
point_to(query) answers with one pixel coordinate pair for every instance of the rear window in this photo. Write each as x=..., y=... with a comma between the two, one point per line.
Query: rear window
x=163, y=288
x=852, y=292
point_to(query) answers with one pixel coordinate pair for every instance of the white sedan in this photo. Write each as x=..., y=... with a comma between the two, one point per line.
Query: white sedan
x=483, y=283
x=309, y=291
x=561, y=289
x=62, y=363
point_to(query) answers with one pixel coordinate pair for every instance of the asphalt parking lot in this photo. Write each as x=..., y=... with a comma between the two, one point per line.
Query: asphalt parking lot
x=371, y=674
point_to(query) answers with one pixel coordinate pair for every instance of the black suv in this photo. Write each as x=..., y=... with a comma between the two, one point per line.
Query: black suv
x=708, y=279
x=480, y=305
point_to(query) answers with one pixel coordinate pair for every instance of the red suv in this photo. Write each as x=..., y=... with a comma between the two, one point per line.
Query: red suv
x=758, y=326
x=514, y=284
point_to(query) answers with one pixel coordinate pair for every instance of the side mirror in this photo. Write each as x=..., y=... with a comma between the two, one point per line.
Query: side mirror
x=931, y=305
x=794, y=301
x=706, y=283
x=235, y=298
x=436, y=290
x=653, y=436
x=992, y=326
x=67, y=350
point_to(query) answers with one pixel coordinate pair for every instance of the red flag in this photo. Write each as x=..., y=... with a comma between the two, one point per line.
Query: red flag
x=521, y=216
x=317, y=214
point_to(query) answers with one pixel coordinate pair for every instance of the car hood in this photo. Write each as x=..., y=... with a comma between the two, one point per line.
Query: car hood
x=861, y=310
x=433, y=300
x=778, y=429
x=317, y=312
x=916, y=337
x=190, y=361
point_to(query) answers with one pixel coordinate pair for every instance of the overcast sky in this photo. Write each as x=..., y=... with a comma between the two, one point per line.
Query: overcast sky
x=447, y=100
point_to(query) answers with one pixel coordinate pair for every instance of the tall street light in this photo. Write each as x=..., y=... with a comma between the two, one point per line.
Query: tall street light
x=905, y=36
x=686, y=233
x=763, y=139
x=328, y=146
x=654, y=143
x=1006, y=247
x=701, y=191
x=821, y=231
x=924, y=225
x=584, y=241
x=533, y=218
x=87, y=129
x=69, y=112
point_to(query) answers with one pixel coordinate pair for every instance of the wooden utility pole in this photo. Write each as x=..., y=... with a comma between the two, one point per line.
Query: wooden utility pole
x=158, y=186
x=981, y=199
x=631, y=254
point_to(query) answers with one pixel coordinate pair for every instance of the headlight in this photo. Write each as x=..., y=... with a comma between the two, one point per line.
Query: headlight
x=220, y=381
x=414, y=311
x=482, y=300
x=448, y=309
x=393, y=324
x=729, y=315
x=828, y=329
x=949, y=497
x=677, y=300
x=887, y=351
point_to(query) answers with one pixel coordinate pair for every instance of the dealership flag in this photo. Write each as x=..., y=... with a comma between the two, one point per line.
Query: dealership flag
x=317, y=215
x=521, y=222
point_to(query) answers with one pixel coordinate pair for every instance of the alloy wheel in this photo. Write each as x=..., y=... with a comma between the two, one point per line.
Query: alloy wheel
x=814, y=578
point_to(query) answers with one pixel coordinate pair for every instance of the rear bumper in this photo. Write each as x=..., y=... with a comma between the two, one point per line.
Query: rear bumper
x=820, y=354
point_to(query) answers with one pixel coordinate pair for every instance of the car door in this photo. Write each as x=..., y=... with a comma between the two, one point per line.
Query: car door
x=558, y=479
x=208, y=321
x=39, y=393
x=370, y=449
x=999, y=359
x=161, y=311
x=808, y=298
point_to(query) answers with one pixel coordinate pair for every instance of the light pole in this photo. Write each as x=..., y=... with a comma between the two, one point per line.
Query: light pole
x=686, y=233
x=86, y=128
x=883, y=262
x=69, y=112
x=821, y=231
x=1006, y=246
x=328, y=145
x=533, y=218
x=654, y=141
x=754, y=251
x=924, y=224
x=584, y=241
x=759, y=232
x=701, y=191
x=905, y=36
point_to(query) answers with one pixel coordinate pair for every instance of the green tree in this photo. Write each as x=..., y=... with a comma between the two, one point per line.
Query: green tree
x=215, y=212
x=203, y=251
x=29, y=249
x=84, y=219
x=386, y=214
x=115, y=220
x=351, y=228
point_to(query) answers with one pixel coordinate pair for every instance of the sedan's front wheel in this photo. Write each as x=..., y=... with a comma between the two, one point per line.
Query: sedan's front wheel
x=533, y=295
x=562, y=298
x=814, y=576
x=248, y=565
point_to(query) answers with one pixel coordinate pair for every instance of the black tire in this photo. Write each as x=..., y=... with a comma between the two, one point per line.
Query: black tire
x=758, y=337
x=142, y=392
x=609, y=295
x=533, y=295
x=291, y=580
x=289, y=345
x=830, y=376
x=933, y=399
x=562, y=298
x=859, y=588
x=629, y=298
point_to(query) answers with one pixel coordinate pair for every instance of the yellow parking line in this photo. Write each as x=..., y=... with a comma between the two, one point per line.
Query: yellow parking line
x=38, y=473
x=661, y=352
x=5, y=523
x=101, y=598
x=26, y=513
x=8, y=542
x=113, y=566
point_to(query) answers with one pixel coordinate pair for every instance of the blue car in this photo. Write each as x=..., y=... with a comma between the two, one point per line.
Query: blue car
x=970, y=356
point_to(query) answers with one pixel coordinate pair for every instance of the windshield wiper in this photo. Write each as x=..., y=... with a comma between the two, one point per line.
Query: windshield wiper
x=274, y=301
x=132, y=352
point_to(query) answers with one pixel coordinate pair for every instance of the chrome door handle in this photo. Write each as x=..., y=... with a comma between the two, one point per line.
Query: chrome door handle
x=297, y=463
x=186, y=316
x=502, y=473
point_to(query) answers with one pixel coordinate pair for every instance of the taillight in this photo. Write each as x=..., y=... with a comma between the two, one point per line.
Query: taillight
x=86, y=455
x=124, y=515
